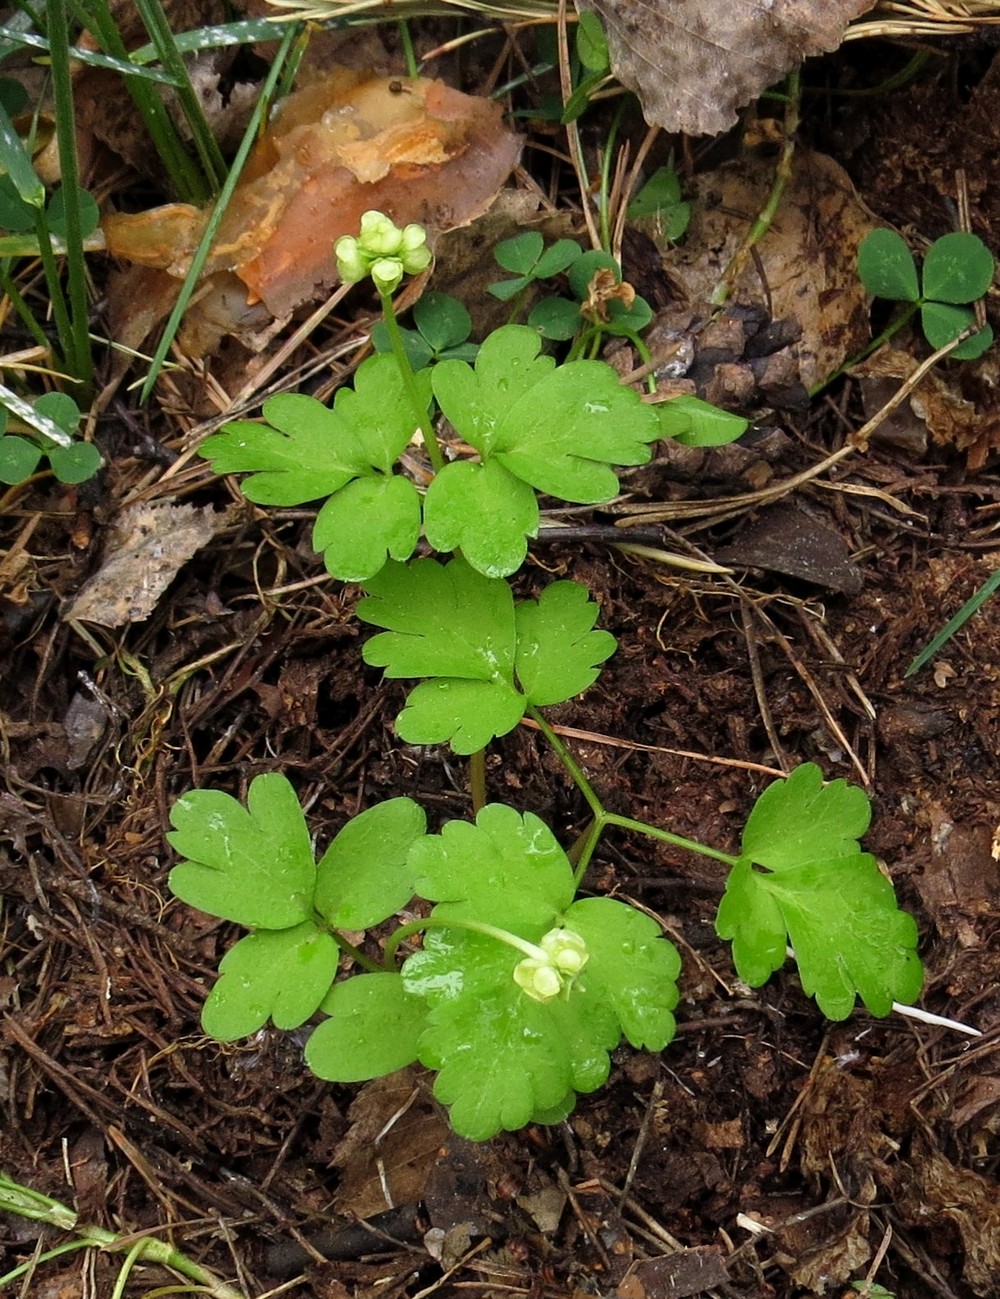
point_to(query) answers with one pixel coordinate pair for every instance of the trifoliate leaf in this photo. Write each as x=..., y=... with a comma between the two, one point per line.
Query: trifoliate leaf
x=373, y=1029
x=278, y=974
x=557, y=648
x=465, y=714
x=507, y=869
x=519, y=254
x=558, y=429
x=443, y=321
x=306, y=451
x=958, y=268
x=477, y=402
x=801, y=875
x=485, y=512
x=302, y=453
x=502, y=1057
x=887, y=268
x=364, y=877
x=364, y=522
x=632, y=968
x=253, y=865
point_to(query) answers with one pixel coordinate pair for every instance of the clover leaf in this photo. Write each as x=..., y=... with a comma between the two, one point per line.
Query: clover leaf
x=485, y=662
x=373, y=1029
x=278, y=974
x=802, y=878
x=958, y=269
x=364, y=877
x=559, y=429
x=253, y=865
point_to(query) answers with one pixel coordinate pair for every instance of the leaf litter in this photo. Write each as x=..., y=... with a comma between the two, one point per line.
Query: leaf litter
x=741, y=1068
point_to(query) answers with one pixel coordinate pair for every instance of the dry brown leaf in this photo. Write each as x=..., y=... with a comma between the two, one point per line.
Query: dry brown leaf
x=147, y=545
x=693, y=63
x=804, y=268
x=415, y=149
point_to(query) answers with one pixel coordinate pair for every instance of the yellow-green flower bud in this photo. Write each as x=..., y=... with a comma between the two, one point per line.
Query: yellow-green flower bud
x=382, y=251
x=566, y=949
x=562, y=955
x=538, y=979
x=351, y=265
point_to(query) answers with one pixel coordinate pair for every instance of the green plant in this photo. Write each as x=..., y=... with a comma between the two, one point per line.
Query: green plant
x=44, y=427
x=443, y=327
x=514, y=987
x=957, y=270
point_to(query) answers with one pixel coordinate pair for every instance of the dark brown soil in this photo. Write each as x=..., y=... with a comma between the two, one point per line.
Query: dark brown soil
x=767, y=1152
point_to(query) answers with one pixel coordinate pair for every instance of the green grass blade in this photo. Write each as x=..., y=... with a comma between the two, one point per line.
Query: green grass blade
x=11, y=39
x=249, y=31
x=205, y=144
x=76, y=342
x=15, y=162
x=257, y=120
x=971, y=606
x=17, y=301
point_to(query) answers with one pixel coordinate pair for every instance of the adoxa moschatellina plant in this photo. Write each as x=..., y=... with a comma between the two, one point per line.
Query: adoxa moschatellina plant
x=513, y=985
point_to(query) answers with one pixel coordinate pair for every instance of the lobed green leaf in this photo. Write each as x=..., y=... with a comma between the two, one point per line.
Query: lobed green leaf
x=507, y=869
x=558, y=652
x=281, y=975
x=362, y=524
x=484, y=511
x=252, y=865
x=364, y=876
x=373, y=1029
x=465, y=714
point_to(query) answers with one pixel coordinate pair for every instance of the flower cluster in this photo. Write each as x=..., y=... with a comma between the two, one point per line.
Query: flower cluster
x=383, y=251
x=562, y=954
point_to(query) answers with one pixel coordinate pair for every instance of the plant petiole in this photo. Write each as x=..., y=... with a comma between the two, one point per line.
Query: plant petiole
x=355, y=953
x=424, y=425
x=531, y=950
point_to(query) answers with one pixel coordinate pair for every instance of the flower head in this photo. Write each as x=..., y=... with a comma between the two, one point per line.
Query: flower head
x=383, y=251
x=562, y=955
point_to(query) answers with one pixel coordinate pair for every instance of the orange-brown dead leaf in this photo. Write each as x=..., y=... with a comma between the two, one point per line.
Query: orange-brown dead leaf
x=415, y=149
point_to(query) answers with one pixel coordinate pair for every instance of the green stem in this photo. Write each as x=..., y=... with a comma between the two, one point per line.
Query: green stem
x=665, y=836
x=473, y=926
x=355, y=953
x=409, y=53
x=424, y=426
x=605, y=194
x=570, y=763
x=477, y=780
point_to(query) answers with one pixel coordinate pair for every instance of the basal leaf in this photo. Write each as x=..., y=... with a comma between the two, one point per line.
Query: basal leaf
x=519, y=254
x=502, y=1057
x=800, y=819
x=484, y=511
x=18, y=459
x=442, y=620
x=632, y=968
x=887, y=268
x=443, y=321
x=366, y=521
x=379, y=411
x=252, y=865
x=75, y=464
x=564, y=435
x=958, y=268
x=304, y=452
x=478, y=401
x=465, y=714
x=750, y=917
x=281, y=975
x=373, y=1029
x=557, y=649
x=507, y=870
x=364, y=876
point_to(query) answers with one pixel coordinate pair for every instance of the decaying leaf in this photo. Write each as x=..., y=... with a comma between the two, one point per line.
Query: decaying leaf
x=693, y=63
x=803, y=269
x=146, y=547
x=415, y=149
